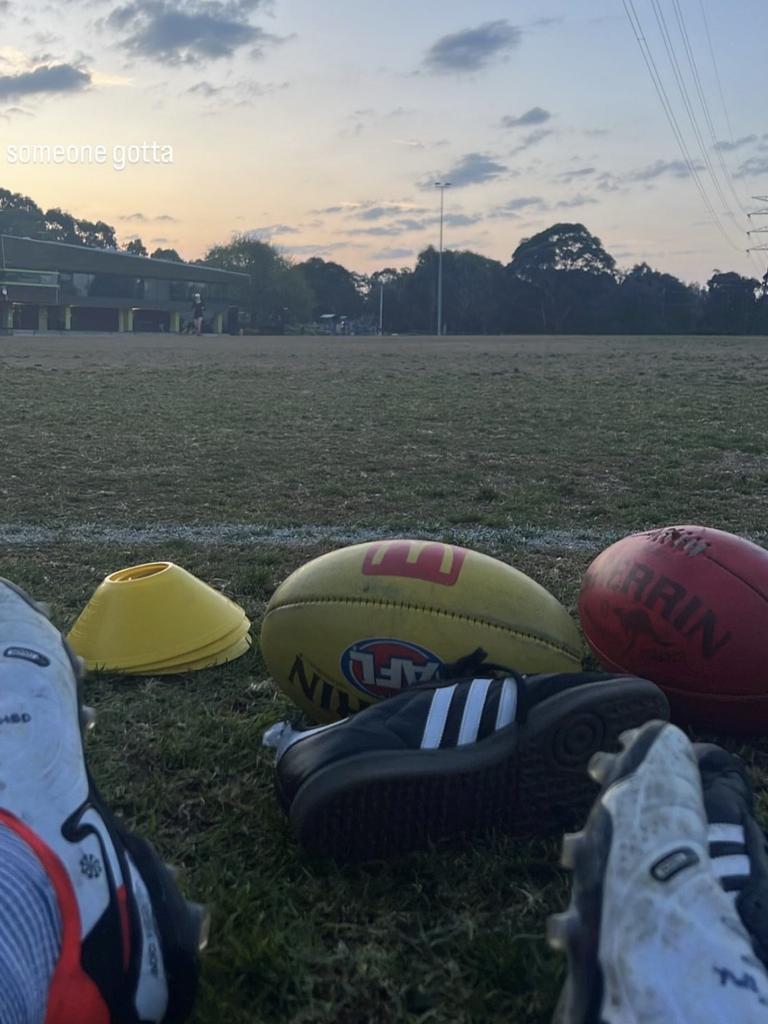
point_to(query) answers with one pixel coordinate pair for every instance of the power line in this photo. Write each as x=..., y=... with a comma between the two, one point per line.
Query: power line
x=661, y=91
x=717, y=72
x=727, y=116
x=725, y=170
x=704, y=105
x=728, y=123
x=683, y=89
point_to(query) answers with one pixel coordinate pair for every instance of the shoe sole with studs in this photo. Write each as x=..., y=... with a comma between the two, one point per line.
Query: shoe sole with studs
x=576, y=932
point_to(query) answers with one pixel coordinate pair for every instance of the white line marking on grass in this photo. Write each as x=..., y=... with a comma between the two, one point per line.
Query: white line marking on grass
x=29, y=535
x=534, y=538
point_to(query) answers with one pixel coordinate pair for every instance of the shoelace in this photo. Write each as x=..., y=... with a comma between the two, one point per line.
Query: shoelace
x=469, y=666
x=473, y=664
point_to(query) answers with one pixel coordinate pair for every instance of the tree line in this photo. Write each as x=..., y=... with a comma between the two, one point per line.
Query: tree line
x=559, y=281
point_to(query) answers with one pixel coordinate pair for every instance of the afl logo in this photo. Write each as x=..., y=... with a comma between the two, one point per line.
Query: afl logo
x=385, y=667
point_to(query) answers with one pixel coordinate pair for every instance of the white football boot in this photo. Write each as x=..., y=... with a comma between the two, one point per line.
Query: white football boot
x=651, y=936
x=130, y=943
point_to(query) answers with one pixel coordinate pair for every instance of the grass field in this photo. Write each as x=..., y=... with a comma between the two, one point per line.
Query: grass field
x=240, y=458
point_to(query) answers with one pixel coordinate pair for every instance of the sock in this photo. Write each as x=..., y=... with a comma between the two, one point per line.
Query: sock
x=30, y=932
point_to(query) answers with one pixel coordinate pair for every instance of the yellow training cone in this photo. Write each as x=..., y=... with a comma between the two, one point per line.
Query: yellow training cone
x=224, y=644
x=148, y=615
x=235, y=651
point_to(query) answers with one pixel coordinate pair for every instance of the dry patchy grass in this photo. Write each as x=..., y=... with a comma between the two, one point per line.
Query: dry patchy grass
x=402, y=435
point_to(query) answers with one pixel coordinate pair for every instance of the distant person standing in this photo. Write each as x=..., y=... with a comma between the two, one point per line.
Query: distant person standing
x=198, y=311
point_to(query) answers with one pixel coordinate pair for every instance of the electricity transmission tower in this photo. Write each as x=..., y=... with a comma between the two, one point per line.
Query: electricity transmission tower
x=760, y=231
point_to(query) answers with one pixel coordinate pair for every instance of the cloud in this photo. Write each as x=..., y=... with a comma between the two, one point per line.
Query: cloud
x=412, y=224
x=42, y=58
x=11, y=112
x=393, y=254
x=345, y=207
x=142, y=218
x=532, y=139
x=458, y=220
x=512, y=206
x=729, y=147
x=379, y=231
x=418, y=144
x=239, y=94
x=471, y=169
x=214, y=99
x=577, y=200
x=52, y=78
x=41, y=38
x=314, y=250
x=5, y=6
x=353, y=131
x=388, y=210
x=376, y=210
x=608, y=182
x=521, y=202
x=206, y=89
x=753, y=168
x=579, y=172
x=546, y=22
x=536, y=115
x=665, y=168
x=269, y=231
x=403, y=225
x=189, y=32
x=472, y=49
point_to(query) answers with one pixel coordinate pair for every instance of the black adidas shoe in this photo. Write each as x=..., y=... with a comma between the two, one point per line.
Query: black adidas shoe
x=650, y=934
x=454, y=759
x=737, y=845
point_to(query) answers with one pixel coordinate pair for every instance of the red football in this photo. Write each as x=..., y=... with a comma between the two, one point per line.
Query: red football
x=687, y=607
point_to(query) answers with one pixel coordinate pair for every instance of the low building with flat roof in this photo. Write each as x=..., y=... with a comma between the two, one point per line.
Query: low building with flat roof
x=50, y=286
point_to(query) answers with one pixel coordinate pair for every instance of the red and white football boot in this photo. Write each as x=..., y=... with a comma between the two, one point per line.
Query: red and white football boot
x=130, y=942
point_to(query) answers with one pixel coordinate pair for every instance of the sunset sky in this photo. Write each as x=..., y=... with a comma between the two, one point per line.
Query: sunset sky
x=321, y=125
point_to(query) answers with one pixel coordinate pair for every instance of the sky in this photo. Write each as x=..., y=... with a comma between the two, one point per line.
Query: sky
x=322, y=125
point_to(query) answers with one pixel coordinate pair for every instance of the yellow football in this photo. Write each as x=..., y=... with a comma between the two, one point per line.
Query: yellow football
x=363, y=623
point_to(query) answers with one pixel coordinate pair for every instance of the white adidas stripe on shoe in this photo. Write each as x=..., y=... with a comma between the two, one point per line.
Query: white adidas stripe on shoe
x=456, y=758
x=650, y=934
x=731, y=867
x=437, y=717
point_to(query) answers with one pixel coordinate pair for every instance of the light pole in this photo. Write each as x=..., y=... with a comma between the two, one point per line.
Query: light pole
x=442, y=185
x=381, y=308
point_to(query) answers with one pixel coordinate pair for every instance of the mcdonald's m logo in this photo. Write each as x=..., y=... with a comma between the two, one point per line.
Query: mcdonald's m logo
x=416, y=560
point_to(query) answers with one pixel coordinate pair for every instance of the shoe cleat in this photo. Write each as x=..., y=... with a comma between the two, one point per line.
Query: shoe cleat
x=600, y=765
x=650, y=935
